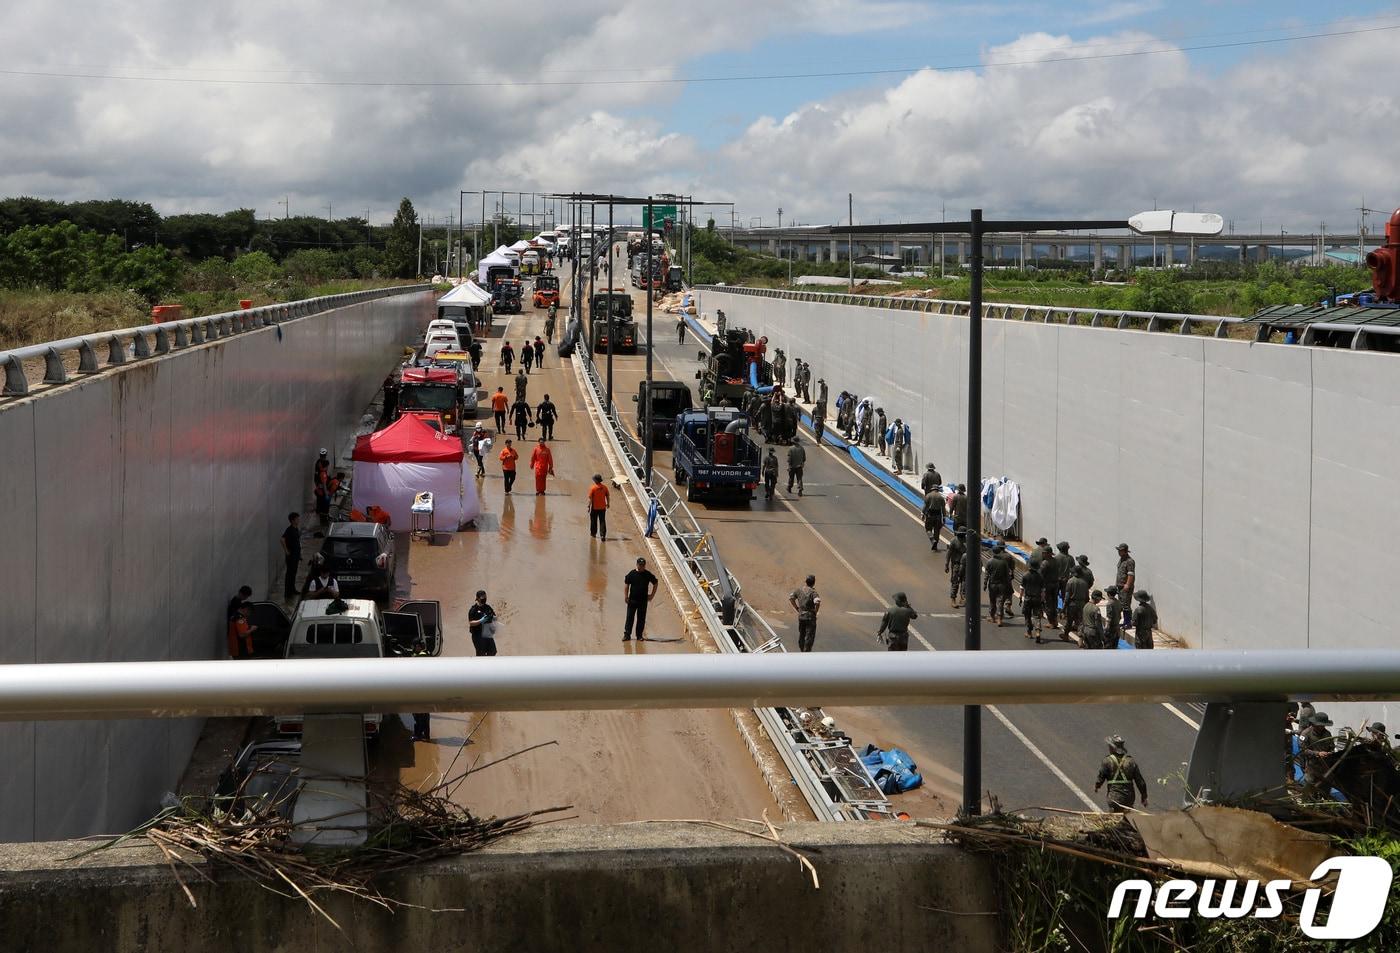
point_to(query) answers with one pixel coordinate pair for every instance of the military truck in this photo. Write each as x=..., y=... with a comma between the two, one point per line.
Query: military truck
x=624, y=327
x=726, y=378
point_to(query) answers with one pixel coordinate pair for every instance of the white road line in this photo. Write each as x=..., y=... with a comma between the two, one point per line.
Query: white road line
x=1020, y=736
x=865, y=478
x=922, y=615
x=1181, y=714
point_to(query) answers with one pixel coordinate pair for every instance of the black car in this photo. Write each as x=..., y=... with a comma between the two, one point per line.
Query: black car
x=361, y=556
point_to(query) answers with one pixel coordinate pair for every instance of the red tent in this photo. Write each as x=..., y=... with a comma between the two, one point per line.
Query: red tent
x=408, y=440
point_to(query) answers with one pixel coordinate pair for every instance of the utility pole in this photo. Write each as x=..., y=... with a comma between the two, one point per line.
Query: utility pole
x=328, y=213
x=368, y=236
x=461, y=220
x=286, y=208
x=420, y=248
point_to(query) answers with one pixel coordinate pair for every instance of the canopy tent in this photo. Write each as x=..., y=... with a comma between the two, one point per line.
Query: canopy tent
x=494, y=260
x=466, y=295
x=521, y=245
x=409, y=457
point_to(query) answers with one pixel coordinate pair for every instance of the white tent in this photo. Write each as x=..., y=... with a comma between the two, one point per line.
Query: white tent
x=520, y=246
x=407, y=458
x=494, y=260
x=467, y=294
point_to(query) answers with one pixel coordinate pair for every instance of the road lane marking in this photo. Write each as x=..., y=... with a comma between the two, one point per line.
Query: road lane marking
x=1020, y=736
x=899, y=505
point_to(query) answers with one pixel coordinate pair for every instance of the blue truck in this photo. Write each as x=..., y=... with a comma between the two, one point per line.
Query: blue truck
x=713, y=455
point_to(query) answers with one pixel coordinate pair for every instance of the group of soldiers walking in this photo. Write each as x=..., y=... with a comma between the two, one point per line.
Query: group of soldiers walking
x=1056, y=588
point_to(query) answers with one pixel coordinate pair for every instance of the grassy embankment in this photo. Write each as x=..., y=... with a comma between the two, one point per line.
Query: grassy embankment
x=1212, y=288
x=33, y=316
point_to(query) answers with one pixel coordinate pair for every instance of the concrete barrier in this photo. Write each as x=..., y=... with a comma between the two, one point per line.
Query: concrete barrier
x=138, y=500
x=636, y=887
x=1247, y=477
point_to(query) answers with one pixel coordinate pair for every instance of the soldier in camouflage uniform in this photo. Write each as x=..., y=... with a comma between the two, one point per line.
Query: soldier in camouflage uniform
x=1121, y=773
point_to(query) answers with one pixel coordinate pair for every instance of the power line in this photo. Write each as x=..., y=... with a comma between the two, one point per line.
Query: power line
x=681, y=81
x=1093, y=45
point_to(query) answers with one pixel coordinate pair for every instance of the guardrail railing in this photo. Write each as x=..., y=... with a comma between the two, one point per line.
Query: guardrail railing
x=105, y=349
x=1322, y=333
x=832, y=779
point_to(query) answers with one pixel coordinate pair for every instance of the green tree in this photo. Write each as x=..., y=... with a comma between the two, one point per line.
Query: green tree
x=312, y=266
x=255, y=267
x=152, y=272
x=401, y=248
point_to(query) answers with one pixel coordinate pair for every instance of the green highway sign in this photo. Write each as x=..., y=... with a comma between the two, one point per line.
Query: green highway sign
x=662, y=213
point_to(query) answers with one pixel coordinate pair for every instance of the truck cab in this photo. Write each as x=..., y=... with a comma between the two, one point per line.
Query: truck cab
x=546, y=290
x=623, y=328
x=669, y=399
x=433, y=391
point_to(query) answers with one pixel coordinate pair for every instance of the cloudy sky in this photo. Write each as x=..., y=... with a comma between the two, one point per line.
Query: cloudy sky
x=1264, y=110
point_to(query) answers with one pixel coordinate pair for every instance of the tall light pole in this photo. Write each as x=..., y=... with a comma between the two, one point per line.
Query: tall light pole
x=1154, y=223
x=647, y=436
x=850, y=244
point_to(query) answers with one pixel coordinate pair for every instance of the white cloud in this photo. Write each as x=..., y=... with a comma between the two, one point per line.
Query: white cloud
x=1095, y=137
x=1294, y=134
x=1116, y=12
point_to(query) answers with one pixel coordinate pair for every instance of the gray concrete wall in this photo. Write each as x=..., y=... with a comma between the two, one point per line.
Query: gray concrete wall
x=1246, y=477
x=641, y=887
x=137, y=501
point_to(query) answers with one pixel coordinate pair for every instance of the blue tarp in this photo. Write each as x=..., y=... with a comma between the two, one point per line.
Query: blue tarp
x=893, y=770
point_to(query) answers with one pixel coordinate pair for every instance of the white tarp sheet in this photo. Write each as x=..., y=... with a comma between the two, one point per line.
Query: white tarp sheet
x=392, y=486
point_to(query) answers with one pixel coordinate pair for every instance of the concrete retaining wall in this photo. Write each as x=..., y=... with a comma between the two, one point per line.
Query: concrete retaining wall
x=643, y=887
x=137, y=501
x=1248, y=478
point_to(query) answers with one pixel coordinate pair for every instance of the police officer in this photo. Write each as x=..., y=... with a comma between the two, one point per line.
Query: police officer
x=1144, y=620
x=896, y=622
x=1126, y=576
x=1036, y=554
x=770, y=473
x=955, y=563
x=796, y=460
x=1113, y=616
x=1091, y=633
x=1032, y=597
x=1121, y=773
x=818, y=422
x=934, y=511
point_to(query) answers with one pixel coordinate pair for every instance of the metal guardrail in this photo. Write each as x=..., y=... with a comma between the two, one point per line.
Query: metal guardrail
x=832, y=779
x=1358, y=337
x=127, y=345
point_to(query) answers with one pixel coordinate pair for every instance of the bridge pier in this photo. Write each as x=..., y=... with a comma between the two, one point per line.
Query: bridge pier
x=1098, y=256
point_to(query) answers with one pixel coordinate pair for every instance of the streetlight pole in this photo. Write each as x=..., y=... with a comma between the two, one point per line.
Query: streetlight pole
x=647, y=437
x=611, y=334
x=1145, y=223
x=972, y=600
x=850, y=244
